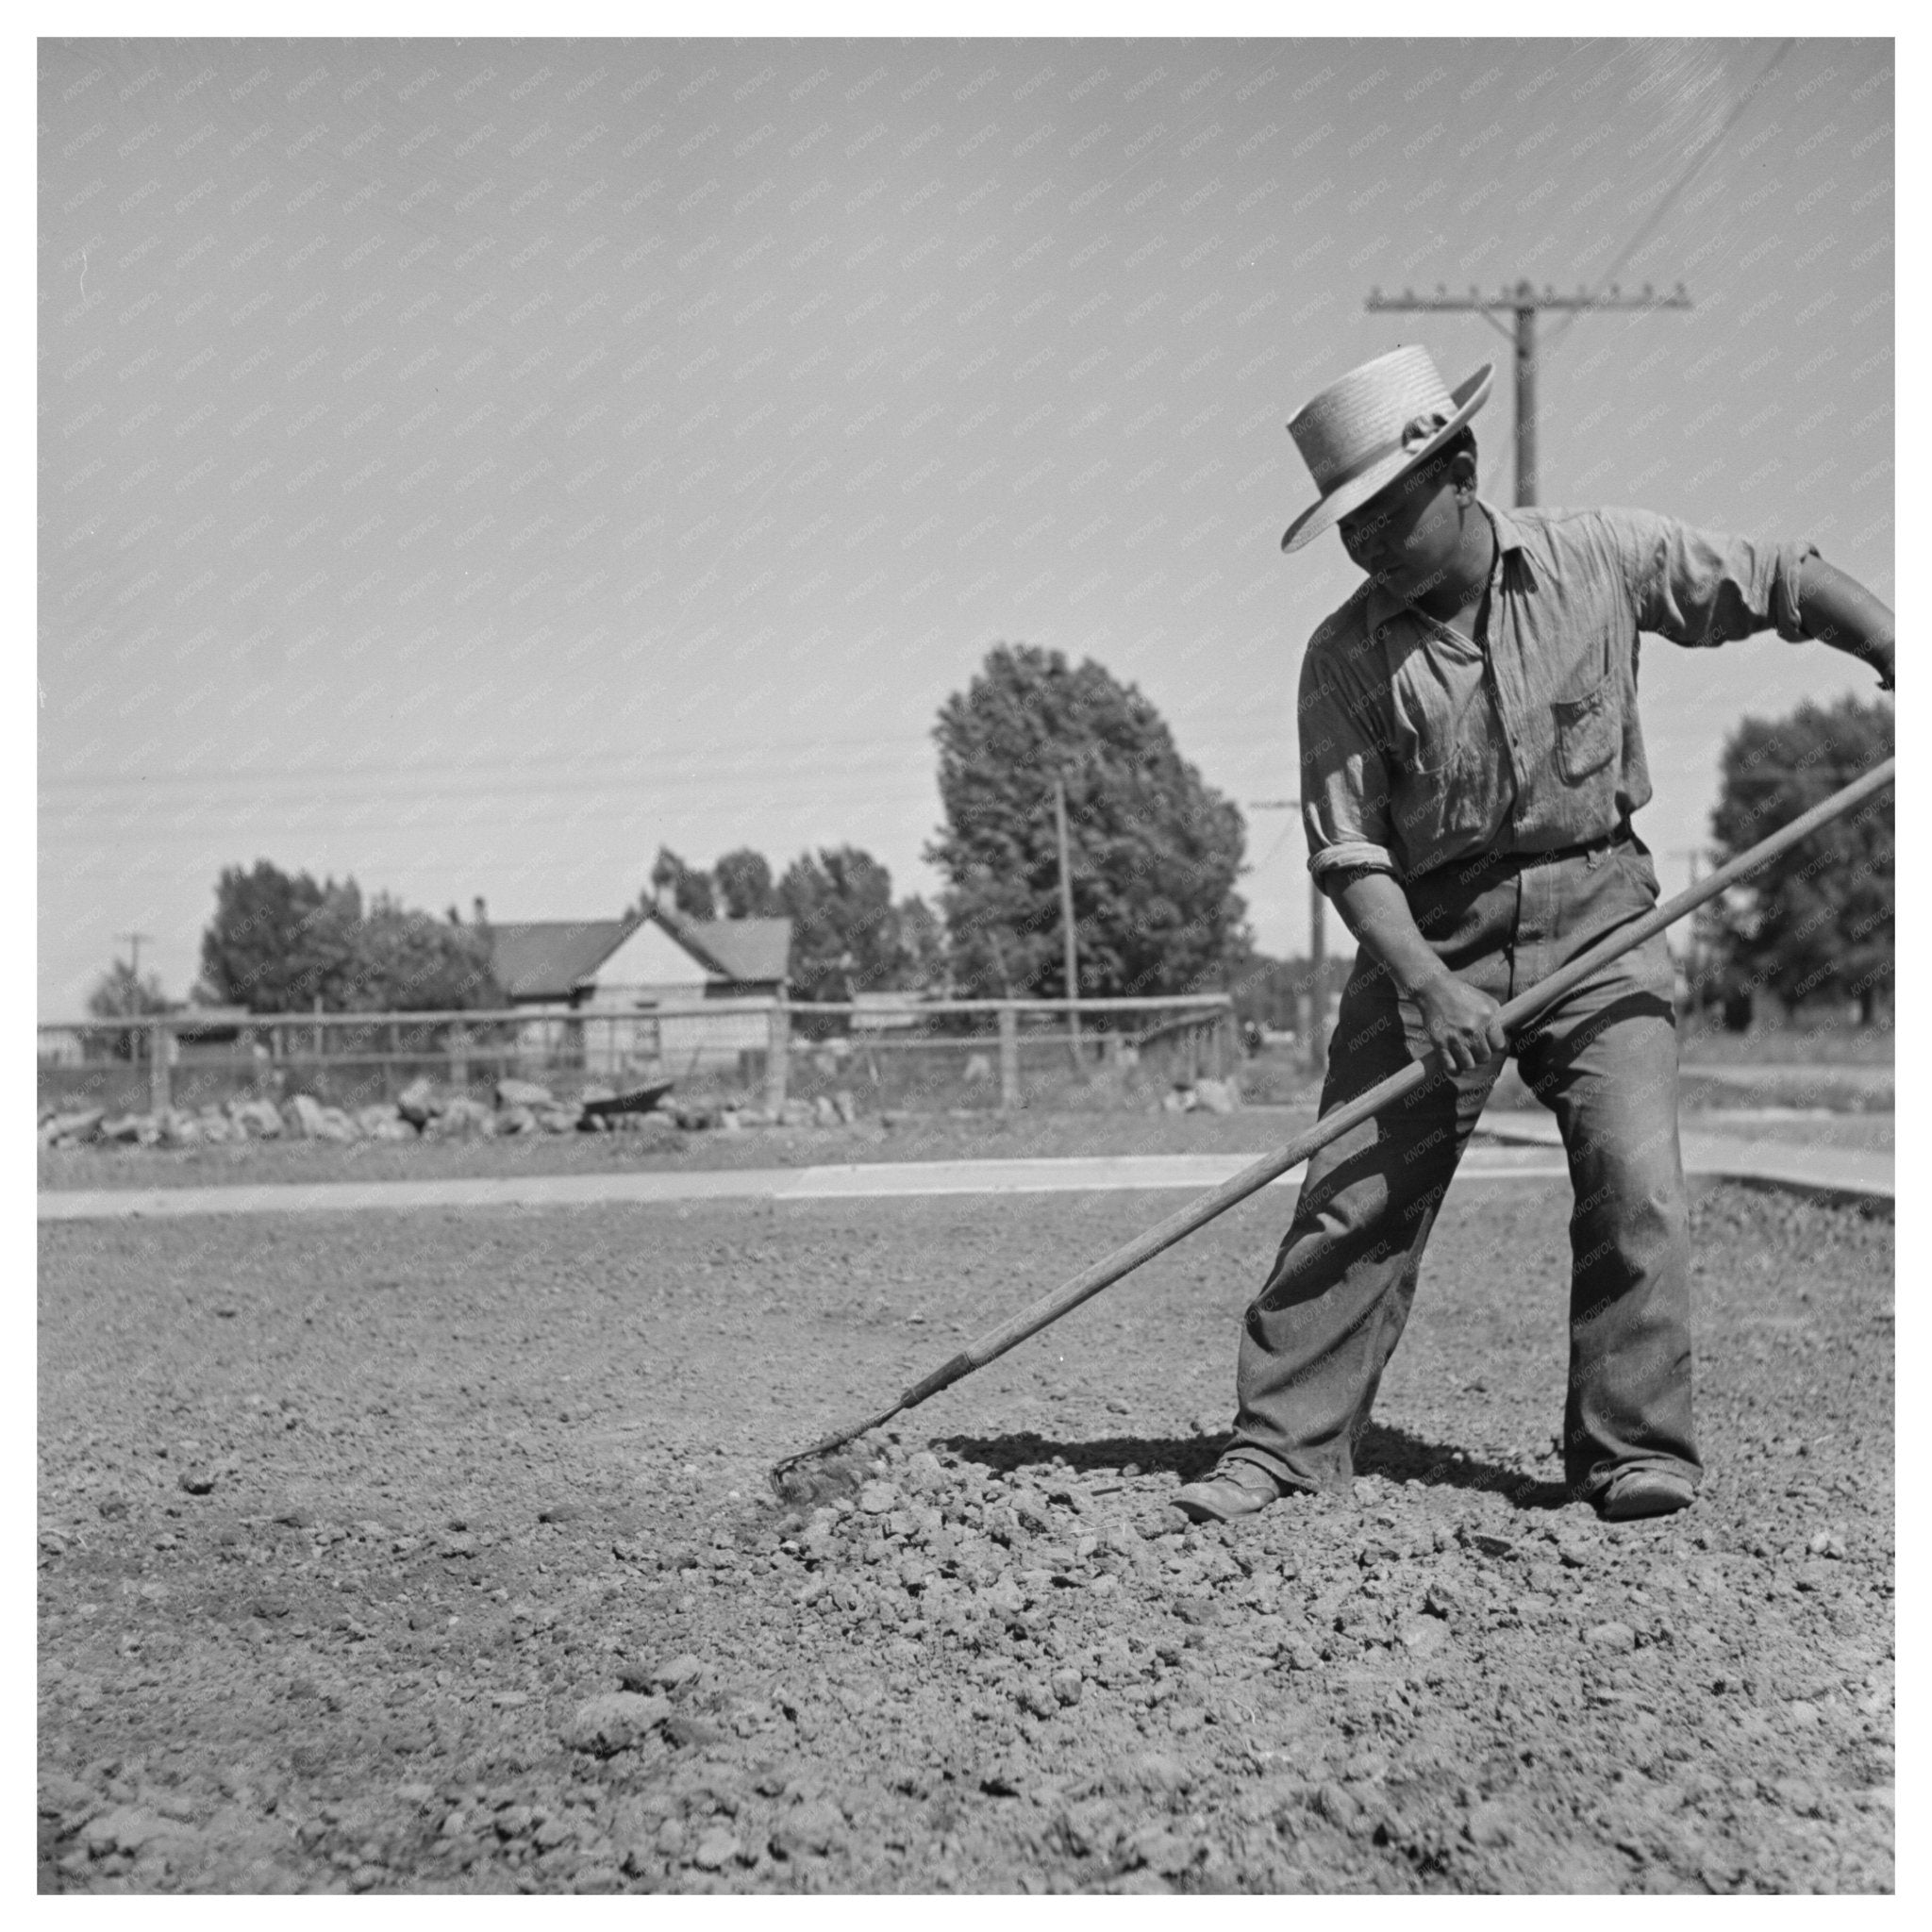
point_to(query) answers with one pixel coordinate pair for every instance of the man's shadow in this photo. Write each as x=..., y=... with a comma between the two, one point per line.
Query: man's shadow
x=1396, y=1454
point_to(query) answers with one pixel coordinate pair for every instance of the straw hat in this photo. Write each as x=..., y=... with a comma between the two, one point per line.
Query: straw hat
x=1373, y=425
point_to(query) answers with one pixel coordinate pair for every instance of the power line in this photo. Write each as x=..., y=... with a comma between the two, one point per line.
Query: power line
x=1683, y=181
x=1605, y=295
x=703, y=765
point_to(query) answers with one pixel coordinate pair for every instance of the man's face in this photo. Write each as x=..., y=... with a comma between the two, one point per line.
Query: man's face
x=1406, y=536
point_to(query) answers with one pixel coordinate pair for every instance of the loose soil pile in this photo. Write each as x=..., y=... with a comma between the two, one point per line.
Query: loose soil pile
x=435, y=1552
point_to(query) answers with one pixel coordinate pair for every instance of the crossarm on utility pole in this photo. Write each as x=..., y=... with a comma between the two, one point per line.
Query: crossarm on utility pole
x=1523, y=301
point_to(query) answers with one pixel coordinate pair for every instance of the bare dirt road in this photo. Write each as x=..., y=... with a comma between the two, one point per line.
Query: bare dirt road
x=434, y=1552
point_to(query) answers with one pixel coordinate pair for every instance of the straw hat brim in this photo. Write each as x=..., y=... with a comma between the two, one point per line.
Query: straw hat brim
x=1325, y=511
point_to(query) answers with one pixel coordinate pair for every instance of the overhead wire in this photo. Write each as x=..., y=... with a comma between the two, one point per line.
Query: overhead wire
x=1562, y=326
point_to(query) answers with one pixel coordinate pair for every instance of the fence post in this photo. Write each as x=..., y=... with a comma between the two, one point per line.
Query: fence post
x=1009, y=1059
x=777, y=1057
x=159, y=1098
x=459, y=1059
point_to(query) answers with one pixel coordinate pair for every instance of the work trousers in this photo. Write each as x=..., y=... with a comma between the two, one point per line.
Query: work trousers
x=1604, y=1059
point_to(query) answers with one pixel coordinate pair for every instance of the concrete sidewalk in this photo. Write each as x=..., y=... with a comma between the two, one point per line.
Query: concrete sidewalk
x=1838, y=1173
x=1817, y=1168
x=1079, y=1174
x=1864, y=1078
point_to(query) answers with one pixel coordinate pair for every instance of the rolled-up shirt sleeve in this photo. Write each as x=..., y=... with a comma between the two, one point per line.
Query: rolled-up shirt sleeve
x=1702, y=587
x=1344, y=781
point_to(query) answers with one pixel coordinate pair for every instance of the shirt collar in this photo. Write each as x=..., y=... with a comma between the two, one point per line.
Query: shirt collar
x=1511, y=538
x=1511, y=541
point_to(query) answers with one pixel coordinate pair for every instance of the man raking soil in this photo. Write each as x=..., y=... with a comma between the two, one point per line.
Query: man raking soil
x=1471, y=763
x=1472, y=759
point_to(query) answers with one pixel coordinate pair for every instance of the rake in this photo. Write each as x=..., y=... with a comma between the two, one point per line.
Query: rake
x=1217, y=1201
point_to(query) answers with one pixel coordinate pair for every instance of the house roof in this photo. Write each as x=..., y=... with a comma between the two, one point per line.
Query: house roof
x=750, y=950
x=548, y=958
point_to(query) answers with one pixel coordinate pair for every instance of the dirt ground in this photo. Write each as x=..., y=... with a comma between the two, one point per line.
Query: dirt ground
x=435, y=1552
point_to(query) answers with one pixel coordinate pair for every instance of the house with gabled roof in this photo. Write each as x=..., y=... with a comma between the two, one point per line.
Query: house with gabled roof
x=599, y=987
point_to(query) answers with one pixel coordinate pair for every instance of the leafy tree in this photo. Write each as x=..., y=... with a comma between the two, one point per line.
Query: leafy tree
x=845, y=930
x=1154, y=850
x=744, y=884
x=121, y=992
x=404, y=962
x=1819, y=920
x=278, y=941
x=922, y=959
x=690, y=888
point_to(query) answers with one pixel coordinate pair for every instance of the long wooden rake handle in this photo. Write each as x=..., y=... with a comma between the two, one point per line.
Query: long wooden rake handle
x=1217, y=1201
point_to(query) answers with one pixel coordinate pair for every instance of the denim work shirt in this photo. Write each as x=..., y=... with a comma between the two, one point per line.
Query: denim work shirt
x=1420, y=745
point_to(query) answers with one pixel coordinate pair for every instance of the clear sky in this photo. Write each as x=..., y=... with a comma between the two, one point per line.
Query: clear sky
x=471, y=464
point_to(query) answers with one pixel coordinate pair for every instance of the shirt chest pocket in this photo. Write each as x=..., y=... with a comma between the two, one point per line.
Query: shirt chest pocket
x=1587, y=728
x=1444, y=790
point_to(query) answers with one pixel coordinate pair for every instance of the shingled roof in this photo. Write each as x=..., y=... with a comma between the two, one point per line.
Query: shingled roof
x=549, y=958
x=754, y=951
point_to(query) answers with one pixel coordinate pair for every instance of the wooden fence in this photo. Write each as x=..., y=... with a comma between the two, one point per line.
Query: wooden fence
x=991, y=1053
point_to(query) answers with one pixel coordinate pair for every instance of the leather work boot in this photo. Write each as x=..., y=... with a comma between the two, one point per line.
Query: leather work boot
x=1237, y=1488
x=1640, y=1493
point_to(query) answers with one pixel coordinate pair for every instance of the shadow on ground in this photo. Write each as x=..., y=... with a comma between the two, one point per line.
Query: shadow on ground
x=1393, y=1453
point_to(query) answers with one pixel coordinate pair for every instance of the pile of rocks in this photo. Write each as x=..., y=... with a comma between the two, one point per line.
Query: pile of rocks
x=522, y=1107
x=731, y=1115
x=419, y=1111
x=302, y=1117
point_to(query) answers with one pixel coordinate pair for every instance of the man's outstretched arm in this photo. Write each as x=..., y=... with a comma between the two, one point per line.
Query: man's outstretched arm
x=1840, y=611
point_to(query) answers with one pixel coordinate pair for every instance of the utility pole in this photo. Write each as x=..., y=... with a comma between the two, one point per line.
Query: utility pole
x=1696, y=945
x=1694, y=970
x=134, y=940
x=1318, y=950
x=1072, y=956
x=1524, y=303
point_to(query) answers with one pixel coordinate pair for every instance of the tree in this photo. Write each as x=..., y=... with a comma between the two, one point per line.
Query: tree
x=1154, y=850
x=120, y=993
x=404, y=962
x=922, y=959
x=278, y=941
x=744, y=884
x=845, y=933
x=690, y=888
x=1819, y=920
